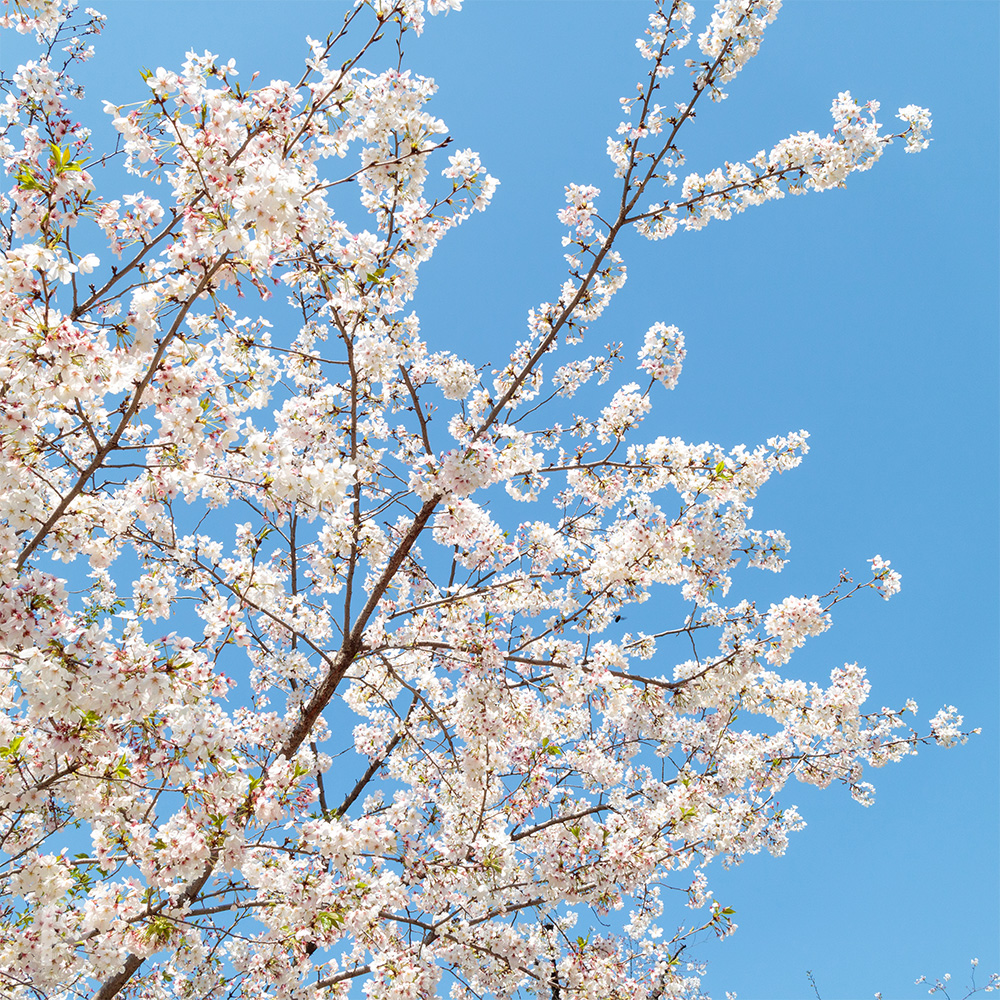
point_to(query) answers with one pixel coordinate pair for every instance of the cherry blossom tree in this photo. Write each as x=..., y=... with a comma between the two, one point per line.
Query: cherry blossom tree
x=397, y=736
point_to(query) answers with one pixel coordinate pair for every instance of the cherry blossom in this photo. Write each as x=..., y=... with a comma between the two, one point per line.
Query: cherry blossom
x=315, y=665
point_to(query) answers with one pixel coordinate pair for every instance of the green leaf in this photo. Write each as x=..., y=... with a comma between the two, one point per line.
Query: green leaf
x=327, y=920
x=27, y=180
x=160, y=930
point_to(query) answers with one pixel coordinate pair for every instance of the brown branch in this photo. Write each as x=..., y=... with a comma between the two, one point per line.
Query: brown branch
x=354, y=642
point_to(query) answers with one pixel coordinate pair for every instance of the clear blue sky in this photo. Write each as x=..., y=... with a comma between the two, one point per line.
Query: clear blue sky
x=866, y=316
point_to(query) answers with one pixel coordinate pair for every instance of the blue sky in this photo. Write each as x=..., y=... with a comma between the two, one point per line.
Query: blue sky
x=867, y=316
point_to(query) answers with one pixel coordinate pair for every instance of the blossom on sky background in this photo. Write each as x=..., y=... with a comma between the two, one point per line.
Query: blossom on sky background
x=348, y=697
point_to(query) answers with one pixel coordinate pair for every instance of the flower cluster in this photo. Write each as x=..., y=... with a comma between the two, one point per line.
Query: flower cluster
x=919, y=121
x=887, y=581
x=791, y=623
x=662, y=353
x=734, y=34
x=582, y=207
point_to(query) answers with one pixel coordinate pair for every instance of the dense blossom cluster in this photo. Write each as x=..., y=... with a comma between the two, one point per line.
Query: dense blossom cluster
x=395, y=734
x=662, y=353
